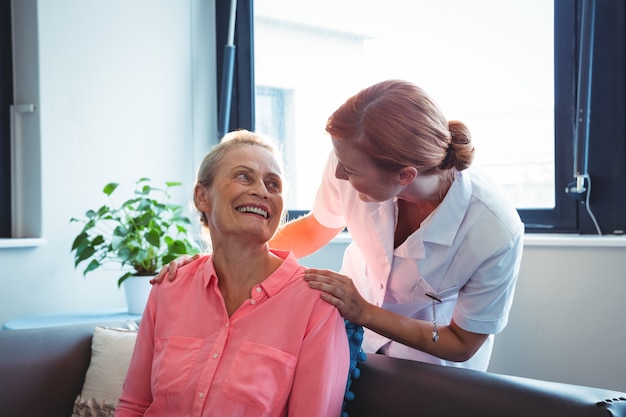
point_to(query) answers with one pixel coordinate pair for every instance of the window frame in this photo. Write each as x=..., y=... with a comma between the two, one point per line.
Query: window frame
x=606, y=150
x=6, y=100
x=242, y=95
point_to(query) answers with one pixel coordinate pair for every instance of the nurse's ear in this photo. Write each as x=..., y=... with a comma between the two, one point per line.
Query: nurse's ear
x=406, y=175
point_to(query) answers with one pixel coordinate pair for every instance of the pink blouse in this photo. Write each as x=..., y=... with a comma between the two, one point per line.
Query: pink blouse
x=284, y=352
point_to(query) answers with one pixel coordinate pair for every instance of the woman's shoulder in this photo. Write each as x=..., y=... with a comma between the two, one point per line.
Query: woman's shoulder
x=293, y=281
x=188, y=273
x=197, y=264
x=491, y=197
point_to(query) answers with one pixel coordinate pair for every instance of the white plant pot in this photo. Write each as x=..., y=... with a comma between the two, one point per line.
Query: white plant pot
x=136, y=290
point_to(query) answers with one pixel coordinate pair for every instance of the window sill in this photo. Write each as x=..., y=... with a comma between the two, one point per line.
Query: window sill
x=548, y=239
x=21, y=242
x=573, y=240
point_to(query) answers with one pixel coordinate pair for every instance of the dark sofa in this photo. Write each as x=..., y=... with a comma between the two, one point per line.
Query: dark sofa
x=42, y=371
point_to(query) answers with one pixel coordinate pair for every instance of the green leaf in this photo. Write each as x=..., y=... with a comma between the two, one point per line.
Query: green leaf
x=153, y=238
x=117, y=242
x=141, y=255
x=145, y=204
x=110, y=187
x=120, y=231
x=102, y=211
x=123, y=278
x=83, y=253
x=94, y=264
x=124, y=254
x=178, y=247
x=130, y=203
x=182, y=219
x=89, y=225
x=168, y=258
x=80, y=240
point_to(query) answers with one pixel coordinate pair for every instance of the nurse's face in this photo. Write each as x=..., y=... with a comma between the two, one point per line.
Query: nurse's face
x=371, y=182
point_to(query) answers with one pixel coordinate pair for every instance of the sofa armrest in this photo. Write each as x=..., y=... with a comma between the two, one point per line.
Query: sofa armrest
x=397, y=387
x=43, y=370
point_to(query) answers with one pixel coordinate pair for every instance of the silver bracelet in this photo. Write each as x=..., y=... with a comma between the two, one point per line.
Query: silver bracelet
x=435, y=300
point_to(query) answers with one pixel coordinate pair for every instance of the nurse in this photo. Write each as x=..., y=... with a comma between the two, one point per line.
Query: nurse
x=436, y=246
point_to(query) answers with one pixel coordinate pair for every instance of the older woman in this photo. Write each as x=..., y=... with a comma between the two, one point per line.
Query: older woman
x=242, y=334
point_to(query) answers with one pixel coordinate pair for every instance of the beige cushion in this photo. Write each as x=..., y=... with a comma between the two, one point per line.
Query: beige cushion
x=111, y=350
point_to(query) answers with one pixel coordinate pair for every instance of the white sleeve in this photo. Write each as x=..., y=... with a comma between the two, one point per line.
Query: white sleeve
x=327, y=206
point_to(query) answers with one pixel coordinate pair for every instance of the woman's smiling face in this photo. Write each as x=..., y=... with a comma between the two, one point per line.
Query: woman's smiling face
x=246, y=195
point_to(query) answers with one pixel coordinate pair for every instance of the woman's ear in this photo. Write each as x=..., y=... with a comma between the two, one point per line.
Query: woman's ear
x=406, y=175
x=201, y=198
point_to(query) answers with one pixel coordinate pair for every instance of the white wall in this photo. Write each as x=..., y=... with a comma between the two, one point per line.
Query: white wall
x=567, y=319
x=123, y=90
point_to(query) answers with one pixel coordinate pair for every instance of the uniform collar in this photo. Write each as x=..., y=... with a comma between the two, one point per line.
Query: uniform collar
x=446, y=220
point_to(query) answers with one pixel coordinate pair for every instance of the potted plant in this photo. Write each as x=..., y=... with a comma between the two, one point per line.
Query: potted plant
x=140, y=235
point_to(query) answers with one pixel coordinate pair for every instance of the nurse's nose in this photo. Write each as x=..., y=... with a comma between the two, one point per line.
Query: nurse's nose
x=340, y=172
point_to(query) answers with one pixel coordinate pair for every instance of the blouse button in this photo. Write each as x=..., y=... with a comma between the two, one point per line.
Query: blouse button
x=252, y=301
x=258, y=289
x=201, y=395
x=215, y=356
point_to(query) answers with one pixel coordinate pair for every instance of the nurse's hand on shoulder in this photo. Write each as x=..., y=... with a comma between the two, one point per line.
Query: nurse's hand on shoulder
x=338, y=290
x=170, y=269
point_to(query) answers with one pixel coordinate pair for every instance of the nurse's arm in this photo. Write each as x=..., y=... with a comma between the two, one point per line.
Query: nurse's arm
x=303, y=236
x=454, y=344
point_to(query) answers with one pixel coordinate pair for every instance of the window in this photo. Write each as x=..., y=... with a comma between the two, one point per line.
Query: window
x=448, y=48
x=542, y=211
x=361, y=46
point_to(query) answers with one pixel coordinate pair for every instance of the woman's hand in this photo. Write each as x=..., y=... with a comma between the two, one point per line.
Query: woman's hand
x=171, y=268
x=338, y=290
